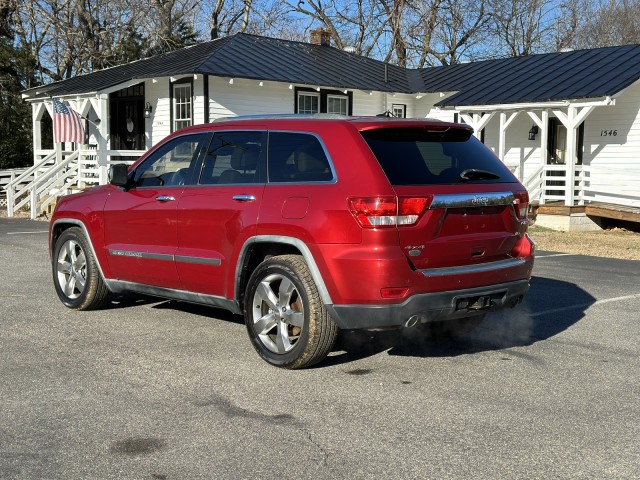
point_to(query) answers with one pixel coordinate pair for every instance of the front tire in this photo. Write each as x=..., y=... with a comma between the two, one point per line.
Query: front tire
x=286, y=320
x=76, y=275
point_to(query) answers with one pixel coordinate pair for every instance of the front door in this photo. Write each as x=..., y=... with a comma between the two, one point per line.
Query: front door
x=141, y=221
x=127, y=125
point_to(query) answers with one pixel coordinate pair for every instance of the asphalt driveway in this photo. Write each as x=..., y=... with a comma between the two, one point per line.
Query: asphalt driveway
x=149, y=389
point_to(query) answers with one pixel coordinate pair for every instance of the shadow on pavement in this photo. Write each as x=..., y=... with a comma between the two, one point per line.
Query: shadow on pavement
x=550, y=307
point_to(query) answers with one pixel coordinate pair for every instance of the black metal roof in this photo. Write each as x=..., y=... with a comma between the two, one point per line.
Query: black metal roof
x=537, y=78
x=248, y=56
x=572, y=75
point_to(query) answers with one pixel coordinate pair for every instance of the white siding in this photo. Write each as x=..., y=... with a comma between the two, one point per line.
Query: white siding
x=613, y=161
x=157, y=94
x=247, y=97
x=423, y=107
x=623, y=149
x=198, y=99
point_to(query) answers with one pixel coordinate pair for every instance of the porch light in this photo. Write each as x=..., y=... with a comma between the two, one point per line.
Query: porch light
x=533, y=132
x=147, y=110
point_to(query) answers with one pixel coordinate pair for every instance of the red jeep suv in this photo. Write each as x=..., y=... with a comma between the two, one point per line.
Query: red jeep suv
x=305, y=225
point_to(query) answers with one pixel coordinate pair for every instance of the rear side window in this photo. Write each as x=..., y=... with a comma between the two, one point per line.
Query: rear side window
x=297, y=157
x=419, y=157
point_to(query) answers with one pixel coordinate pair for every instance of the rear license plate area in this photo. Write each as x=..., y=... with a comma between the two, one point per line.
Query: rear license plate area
x=479, y=302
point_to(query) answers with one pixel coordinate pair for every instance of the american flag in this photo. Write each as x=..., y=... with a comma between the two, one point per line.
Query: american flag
x=67, y=124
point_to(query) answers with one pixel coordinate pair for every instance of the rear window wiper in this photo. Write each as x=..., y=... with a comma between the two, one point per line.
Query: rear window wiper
x=475, y=174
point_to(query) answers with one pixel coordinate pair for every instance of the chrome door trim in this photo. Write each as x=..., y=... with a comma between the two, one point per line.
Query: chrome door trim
x=166, y=256
x=145, y=255
x=198, y=260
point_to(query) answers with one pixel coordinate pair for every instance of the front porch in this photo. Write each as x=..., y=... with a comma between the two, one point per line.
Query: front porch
x=60, y=172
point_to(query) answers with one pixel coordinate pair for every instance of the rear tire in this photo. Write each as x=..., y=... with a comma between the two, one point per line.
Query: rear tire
x=76, y=275
x=286, y=320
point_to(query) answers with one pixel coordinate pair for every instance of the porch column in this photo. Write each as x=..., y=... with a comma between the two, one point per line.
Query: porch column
x=101, y=106
x=36, y=112
x=505, y=122
x=477, y=120
x=572, y=120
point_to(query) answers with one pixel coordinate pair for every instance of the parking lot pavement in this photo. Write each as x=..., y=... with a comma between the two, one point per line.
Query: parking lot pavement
x=148, y=389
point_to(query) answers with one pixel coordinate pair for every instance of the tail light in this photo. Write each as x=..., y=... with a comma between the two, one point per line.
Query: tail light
x=376, y=212
x=521, y=204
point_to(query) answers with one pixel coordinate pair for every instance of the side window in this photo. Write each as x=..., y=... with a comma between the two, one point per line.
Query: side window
x=233, y=157
x=297, y=157
x=172, y=163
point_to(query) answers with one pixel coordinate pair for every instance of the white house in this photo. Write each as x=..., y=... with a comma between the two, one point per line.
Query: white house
x=557, y=120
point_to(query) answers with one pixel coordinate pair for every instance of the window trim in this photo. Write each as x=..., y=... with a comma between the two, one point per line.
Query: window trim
x=172, y=85
x=308, y=94
x=338, y=97
x=401, y=106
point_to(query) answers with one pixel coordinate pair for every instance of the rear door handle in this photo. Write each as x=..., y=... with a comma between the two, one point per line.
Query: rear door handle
x=165, y=198
x=244, y=198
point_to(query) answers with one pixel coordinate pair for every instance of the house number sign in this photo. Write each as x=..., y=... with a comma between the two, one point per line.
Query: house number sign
x=608, y=133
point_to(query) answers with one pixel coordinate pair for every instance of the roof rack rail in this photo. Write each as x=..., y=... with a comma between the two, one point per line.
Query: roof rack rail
x=269, y=116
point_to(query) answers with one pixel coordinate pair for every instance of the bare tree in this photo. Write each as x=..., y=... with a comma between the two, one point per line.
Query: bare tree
x=395, y=11
x=442, y=32
x=68, y=37
x=525, y=27
x=610, y=22
x=229, y=16
x=360, y=26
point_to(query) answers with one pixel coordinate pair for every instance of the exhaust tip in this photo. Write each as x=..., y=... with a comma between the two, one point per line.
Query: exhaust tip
x=412, y=322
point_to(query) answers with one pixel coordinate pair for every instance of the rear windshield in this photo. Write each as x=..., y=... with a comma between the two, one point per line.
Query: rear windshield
x=419, y=157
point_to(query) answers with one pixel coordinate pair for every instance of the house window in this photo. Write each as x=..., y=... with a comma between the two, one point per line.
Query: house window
x=308, y=102
x=337, y=104
x=399, y=110
x=182, y=106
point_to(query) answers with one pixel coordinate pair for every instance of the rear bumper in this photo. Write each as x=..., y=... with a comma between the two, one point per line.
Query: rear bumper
x=431, y=306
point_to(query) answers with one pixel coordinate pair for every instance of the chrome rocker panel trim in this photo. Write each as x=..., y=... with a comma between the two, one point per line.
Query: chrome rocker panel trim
x=119, y=286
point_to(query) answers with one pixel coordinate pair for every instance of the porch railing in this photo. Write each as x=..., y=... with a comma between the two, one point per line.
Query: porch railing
x=6, y=177
x=591, y=184
x=38, y=186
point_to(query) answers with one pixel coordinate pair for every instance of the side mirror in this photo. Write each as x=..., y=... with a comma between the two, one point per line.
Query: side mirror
x=118, y=175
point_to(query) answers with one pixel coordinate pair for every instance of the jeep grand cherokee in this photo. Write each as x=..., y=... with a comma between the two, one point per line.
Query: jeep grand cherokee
x=305, y=226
